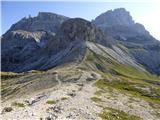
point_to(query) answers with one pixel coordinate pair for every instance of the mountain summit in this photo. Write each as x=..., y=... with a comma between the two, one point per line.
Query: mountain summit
x=119, y=24
x=44, y=21
x=114, y=17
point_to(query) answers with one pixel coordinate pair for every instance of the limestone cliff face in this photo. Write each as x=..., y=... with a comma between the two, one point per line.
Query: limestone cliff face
x=114, y=17
x=78, y=30
x=119, y=24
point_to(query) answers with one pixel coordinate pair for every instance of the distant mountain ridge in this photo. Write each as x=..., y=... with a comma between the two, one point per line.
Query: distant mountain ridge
x=44, y=21
x=49, y=40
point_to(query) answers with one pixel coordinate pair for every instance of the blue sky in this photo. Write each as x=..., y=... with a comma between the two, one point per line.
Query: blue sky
x=145, y=13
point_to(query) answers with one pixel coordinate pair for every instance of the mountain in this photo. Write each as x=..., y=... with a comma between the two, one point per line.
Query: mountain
x=70, y=44
x=57, y=67
x=119, y=24
x=25, y=39
x=114, y=17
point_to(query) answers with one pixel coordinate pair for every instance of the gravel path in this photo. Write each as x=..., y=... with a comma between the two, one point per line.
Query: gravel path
x=73, y=102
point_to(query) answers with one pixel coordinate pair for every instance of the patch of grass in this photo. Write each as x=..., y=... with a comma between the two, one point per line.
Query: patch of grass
x=64, y=98
x=90, y=57
x=101, y=106
x=129, y=71
x=51, y=102
x=130, y=106
x=134, y=73
x=127, y=87
x=8, y=75
x=99, y=92
x=114, y=114
x=96, y=99
x=17, y=104
x=110, y=65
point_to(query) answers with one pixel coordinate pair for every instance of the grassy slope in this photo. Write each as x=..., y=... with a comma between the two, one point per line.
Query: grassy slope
x=126, y=79
x=113, y=114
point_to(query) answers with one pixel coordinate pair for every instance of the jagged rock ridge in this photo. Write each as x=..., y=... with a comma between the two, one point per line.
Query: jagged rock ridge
x=44, y=21
x=44, y=41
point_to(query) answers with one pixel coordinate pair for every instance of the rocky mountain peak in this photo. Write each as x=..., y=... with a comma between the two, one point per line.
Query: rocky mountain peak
x=114, y=17
x=49, y=16
x=119, y=24
x=78, y=29
x=44, y=21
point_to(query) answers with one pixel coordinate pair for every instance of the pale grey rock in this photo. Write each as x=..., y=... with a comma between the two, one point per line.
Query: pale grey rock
x=114, y=17
x=119, y=24
x=149, y=58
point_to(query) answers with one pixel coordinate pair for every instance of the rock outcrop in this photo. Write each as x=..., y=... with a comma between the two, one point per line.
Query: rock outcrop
x=78, y=30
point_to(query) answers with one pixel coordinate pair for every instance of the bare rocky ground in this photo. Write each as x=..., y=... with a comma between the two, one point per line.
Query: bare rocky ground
x=72, y=101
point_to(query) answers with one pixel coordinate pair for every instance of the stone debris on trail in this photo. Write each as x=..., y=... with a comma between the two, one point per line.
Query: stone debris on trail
x=77, y=104
x=73, y=101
